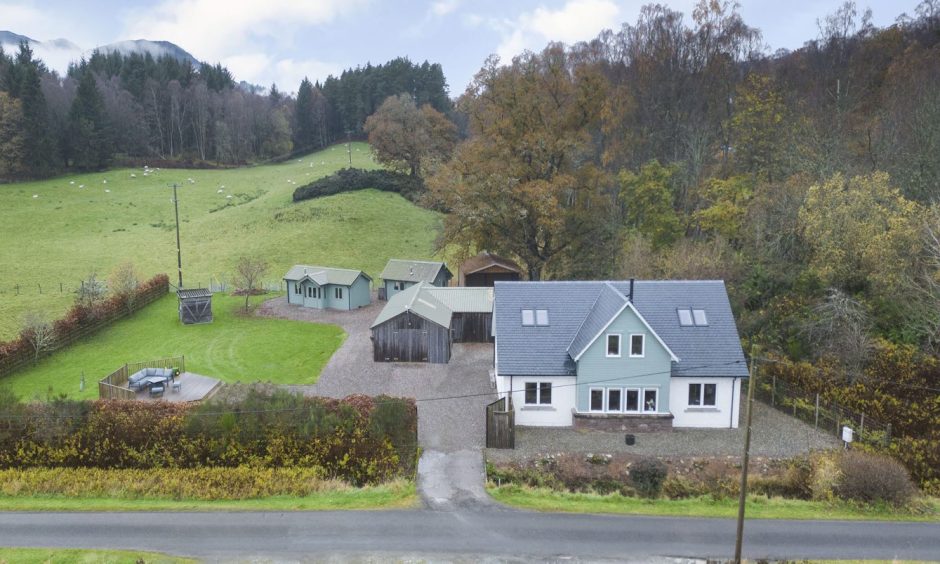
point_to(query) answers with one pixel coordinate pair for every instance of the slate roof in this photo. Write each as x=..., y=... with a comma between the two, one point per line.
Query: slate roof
x=576, y=308
x=418, y=301
x=412, y=270
x=486, y=260
x=323, y=275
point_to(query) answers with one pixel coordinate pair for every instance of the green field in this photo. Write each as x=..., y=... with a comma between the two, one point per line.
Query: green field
x=76, y=555
x=234, y=347
x=66, y=232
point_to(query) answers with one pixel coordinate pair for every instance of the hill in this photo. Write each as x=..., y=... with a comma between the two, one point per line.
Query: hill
x=58, y=231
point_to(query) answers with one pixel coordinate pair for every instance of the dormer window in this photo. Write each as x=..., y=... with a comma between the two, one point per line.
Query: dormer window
x=692, y=317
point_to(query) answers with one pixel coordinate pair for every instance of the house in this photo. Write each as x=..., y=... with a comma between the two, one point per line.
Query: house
x=421, y=323
x=485, y=269
x=644, y=355
x=322, y=287
x=401, y=274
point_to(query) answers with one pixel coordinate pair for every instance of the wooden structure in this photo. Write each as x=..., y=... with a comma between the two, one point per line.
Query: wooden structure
x=485, y=269
x=472, y=327
x=409, y=337
x=500, y=424
x=399, y=275
x=323, y=287
x=195, y=305
x=114, y=385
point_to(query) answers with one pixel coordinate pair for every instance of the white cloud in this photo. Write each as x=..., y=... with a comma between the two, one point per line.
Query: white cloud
x=577, y=20
x=17, y=17
x=238, y=32
x=444, y=7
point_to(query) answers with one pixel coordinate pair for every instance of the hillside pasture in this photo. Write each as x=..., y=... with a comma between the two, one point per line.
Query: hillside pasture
x=59, y=230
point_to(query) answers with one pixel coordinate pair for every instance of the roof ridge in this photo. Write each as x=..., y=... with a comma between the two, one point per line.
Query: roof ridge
x=583, y=321
x=328, y=267
x=417, y=260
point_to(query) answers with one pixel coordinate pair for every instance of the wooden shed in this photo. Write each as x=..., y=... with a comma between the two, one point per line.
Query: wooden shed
x=195, y=306
x=485, y=269
x=472, y=312
x=412, y=328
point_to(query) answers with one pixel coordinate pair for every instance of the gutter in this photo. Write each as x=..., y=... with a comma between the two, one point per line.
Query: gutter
x=734, y=384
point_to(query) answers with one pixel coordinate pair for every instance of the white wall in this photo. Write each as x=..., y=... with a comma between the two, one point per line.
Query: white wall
x=724, y=414
x=558, y=414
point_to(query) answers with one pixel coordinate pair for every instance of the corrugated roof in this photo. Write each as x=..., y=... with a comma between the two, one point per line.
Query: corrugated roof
x=323, y=275
x=417, y=301
x=714, y=350
x=463, y=300
x=412, y=270
x=486, y=260
x=194, y=293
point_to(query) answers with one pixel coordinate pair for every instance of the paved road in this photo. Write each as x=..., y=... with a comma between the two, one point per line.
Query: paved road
x=474, y=534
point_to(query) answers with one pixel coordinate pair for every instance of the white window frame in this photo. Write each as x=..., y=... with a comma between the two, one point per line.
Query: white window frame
x=643, y=399
x=701, y=392
x=603, y=392
x=643, y=345
x=639, y=400
x=619, y=345
x=338, y=292
x=607, y=400
x=538, y=393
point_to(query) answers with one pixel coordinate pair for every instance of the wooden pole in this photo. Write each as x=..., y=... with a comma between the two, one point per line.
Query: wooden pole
x=742, y=497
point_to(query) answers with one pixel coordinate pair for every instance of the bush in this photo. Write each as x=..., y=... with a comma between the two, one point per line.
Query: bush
x=871, y=478
x=648, y=476
x=677, y=487
x=351, y=179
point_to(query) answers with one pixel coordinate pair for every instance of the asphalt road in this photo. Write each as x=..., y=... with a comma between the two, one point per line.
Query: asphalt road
x=484, y=533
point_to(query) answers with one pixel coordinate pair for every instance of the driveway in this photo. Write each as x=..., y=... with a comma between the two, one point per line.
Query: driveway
x=450, y=399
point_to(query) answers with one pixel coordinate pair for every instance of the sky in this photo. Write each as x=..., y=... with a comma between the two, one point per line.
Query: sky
x=282, y=41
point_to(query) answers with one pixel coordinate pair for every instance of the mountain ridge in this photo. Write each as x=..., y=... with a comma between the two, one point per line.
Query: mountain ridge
x=58, y=53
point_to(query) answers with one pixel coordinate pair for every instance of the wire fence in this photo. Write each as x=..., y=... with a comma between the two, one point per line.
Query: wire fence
x=215, y=284
x=824, y=416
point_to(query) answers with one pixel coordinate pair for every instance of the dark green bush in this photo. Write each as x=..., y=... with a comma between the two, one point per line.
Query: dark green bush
x=871, y=478
x=351, y=179
x=648, y=476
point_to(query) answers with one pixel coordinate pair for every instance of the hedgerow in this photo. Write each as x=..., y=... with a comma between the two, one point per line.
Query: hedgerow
x=360, y=440
x=351, y=179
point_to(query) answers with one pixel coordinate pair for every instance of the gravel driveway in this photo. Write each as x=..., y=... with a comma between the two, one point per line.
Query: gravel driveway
x=450, y=397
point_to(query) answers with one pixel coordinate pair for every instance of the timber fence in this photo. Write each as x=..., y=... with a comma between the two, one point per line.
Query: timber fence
x=828, y=417
x=114, y=385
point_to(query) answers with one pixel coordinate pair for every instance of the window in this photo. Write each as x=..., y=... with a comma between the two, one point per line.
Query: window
x=703, y=395
x=538, y=393
x=398, y=286
x=632, y=403
x=597, y=399
x=613, y=345
x=338, y=293
x=636, y=345
x=297, y=288
x=541, y=317
x=613, y=399
x=528, y=317
x=649, y=400
x=692, y=317
x=309, y=292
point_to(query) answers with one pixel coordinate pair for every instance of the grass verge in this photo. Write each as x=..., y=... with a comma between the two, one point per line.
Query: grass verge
x=71, y=555
x=758, y=507
x=234, y=347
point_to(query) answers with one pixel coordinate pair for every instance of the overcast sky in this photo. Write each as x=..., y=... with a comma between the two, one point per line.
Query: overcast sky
x=265, y=41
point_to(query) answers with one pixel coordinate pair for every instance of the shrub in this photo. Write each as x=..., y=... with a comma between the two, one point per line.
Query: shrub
x=720, y=481
x=351, y=179
x=870, y=478
x=825, y=476
x=648, y=476
x=677, y=487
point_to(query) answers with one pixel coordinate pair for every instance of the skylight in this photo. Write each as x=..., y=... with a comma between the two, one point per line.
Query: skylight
x=689, y=317
x=538, y=317
x=685, y=317
x=699, y=316
x=541, y=317
x=528, y=317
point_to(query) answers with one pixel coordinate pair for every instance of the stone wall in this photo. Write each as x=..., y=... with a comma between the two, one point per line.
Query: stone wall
x=623, y=422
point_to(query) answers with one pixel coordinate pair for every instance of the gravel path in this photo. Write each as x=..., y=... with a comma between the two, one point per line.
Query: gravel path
x=774, y=435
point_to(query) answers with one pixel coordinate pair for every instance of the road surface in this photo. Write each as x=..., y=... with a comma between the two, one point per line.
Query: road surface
x=472, y=534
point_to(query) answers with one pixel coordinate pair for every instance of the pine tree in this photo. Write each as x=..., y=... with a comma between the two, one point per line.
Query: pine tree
x=89, y=135
x=23, y=81
x=305, y=135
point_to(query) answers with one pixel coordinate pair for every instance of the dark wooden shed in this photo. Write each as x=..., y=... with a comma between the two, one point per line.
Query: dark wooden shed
x=472, y=327
x=408, y=337
x=485, y=269
x=195, y=306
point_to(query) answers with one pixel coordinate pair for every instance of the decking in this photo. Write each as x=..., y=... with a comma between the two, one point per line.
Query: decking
x=193, y=387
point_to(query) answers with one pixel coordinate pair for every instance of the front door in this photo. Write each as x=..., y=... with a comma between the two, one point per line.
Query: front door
x=313, y=296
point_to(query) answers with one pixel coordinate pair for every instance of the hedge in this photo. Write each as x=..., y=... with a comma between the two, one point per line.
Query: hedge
x=360, y=440
x=82, y=321
x=351, y=179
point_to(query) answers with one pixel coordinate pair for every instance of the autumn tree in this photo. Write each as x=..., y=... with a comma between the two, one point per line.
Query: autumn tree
x=528, y=183
x=123, y=282
x=405, y=137
x=91, y=291
x=761, y=128
x=39, y=333
x=722, y=206
x=649, y=203
x=248, y=274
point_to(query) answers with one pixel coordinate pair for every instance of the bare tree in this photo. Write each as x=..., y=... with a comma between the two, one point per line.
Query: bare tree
x=248, y=273
x=839, y=328
x=39, y=333
x=91, y=291
x=123, y=282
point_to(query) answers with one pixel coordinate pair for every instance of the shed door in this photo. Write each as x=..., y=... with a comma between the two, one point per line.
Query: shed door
x=411, y=345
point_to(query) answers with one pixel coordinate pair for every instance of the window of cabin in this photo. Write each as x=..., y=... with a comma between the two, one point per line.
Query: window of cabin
x=613, y=399
x=613, y=345
x=338, y=293
x=632, y=400
x=597, y=399
x=636, y=345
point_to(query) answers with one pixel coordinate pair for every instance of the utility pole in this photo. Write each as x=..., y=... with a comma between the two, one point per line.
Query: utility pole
x=179, y=254
x=349, y=147
x=751, y=384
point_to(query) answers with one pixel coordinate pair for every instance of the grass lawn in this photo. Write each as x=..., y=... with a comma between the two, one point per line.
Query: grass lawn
x=395, y=495
x=67, y=231
x=234, y=347
x=75, y=555
x=758, y=507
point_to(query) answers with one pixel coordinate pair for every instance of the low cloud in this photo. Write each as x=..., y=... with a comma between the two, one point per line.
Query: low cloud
x=577, y=20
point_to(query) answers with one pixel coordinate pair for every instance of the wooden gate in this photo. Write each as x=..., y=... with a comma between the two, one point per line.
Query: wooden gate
x=500, y=424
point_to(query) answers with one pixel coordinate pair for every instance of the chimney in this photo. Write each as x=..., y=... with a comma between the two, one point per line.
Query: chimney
x=630, y=297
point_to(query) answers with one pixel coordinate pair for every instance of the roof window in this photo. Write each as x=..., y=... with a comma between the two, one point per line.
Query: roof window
x=689, y=317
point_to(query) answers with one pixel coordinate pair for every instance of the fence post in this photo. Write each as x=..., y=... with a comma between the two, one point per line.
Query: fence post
x=40, y=288
x=862, y=425
x=816, y=426
x=888, y=435
x=773, y=391
x=837, y=415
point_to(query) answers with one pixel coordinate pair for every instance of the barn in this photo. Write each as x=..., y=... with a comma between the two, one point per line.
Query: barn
x=412, y=327
x=485, y=269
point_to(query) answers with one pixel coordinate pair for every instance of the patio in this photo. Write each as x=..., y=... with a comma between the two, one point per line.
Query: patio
x=192, y=387
x=153, y=381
